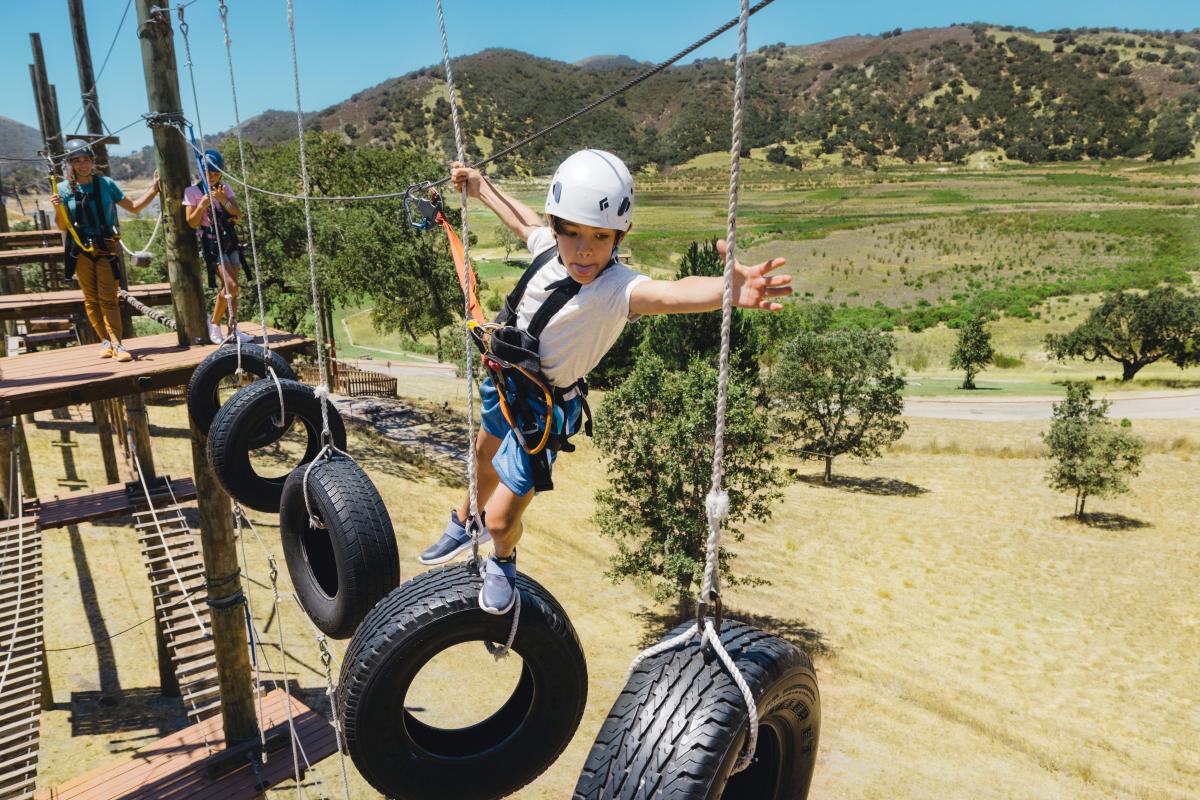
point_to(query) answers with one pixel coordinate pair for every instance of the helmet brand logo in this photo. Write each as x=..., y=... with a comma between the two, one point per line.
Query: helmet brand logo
x=604, y=204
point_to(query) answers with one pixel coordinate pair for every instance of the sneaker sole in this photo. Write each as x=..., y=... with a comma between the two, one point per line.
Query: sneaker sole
x=434, y=562
x=503, y=611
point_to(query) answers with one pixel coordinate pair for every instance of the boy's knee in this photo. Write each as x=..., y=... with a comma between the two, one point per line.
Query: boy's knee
x=502, y=525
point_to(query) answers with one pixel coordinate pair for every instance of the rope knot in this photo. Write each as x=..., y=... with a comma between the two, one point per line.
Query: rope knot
x=321, y=391
x=717, y=504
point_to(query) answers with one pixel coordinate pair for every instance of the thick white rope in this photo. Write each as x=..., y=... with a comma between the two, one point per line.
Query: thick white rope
x=322, y=390
x=717, y=501
x=145, y=251
x=474, y=524
x=237, y=116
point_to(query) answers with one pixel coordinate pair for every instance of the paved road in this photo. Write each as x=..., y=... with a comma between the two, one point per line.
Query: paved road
x=1172, y=405
x=1150, y=405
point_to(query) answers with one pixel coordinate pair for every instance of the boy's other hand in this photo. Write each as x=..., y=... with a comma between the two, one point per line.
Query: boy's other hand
x=462, y=175
x=753, y=287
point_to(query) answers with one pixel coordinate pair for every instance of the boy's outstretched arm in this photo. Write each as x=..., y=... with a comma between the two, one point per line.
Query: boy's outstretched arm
x=518, y=217
x=753, y=287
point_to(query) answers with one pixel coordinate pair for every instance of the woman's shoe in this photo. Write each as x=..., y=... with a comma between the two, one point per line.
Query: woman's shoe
x=214, y=333
x=121, y=354
x=106, y=350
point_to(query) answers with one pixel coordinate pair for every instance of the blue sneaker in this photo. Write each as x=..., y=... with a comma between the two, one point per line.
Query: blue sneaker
x=454, y=541
x=499, y=590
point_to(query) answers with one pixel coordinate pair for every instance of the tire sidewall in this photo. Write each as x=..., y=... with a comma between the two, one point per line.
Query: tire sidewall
x=389, y=755
x=203, y=399
x=235, y=427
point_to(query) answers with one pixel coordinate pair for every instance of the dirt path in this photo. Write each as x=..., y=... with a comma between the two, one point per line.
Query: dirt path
x=1173, y=405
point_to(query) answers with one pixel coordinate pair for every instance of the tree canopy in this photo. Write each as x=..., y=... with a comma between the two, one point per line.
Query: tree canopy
x=973, y=350
x=1092, y=455
x=1135, y=329
x=656, y=431
x=837, y=393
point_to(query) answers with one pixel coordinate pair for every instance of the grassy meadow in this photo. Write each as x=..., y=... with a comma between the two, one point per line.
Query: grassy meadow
x=971, y=640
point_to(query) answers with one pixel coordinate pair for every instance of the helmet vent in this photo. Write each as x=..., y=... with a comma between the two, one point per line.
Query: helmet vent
x=557, y=191
x=624, y=208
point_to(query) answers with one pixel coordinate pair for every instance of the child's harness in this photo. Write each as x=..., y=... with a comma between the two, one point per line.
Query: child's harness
x=212, y=247
x=91, y=234
x=511, y=354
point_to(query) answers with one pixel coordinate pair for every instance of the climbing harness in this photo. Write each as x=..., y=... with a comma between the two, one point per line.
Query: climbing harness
x=65, y=218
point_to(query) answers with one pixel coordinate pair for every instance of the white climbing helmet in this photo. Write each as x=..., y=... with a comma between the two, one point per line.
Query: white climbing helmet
x=592, y=187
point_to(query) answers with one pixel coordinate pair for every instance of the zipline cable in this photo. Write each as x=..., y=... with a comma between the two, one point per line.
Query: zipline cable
x=537, y=135
x=629, y=84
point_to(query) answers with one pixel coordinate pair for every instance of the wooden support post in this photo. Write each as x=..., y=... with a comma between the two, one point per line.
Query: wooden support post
x=47, y=688
x=87, y=82
x=3, y=209
x=183, y=266
x=25, y=464
x=47, y=109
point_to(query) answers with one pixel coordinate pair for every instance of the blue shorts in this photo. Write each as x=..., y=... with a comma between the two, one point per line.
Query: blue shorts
x=511, y=462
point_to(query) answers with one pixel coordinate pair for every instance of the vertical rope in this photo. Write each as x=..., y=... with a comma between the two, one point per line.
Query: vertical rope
x=322, y=391
x=473, y=523
x=287, y=688
x=212, y=200
x=717, y=502
x=237, y=116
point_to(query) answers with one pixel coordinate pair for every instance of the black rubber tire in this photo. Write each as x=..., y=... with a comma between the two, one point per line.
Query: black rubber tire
x=679, y=725
x=339, y=572
x=236, y=424
x=406, y=759
x=203, y=401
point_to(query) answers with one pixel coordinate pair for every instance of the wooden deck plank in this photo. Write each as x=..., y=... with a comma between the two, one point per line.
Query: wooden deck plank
x=110, y=501
x=31, y=255
x=57, y=378
x=11, y=239
x=173, y=767
x=70, y=301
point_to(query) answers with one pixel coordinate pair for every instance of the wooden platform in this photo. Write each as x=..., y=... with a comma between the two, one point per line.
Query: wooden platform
x=57, y=378
x=20, y=655
x=16, y=239
x=70, y=301
x=111, y=501
x=32, y=255
x=173, y=768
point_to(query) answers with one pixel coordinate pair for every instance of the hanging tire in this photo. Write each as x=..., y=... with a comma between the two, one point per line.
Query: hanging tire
x=679, y=725
x=203, y=400
x=406, y=759
x=341, y=571
x=231, y=437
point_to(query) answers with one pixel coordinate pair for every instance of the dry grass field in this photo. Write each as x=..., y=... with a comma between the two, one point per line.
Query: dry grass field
x=970, y=641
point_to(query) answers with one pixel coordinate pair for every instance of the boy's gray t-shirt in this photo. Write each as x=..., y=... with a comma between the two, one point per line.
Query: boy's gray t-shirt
x=579, y=335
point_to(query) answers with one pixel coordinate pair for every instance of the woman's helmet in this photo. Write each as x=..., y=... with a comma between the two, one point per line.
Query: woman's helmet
x=78, y=148
x=592, y=187
x=213, y=160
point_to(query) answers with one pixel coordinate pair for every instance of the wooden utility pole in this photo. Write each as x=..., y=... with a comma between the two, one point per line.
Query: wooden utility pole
x=52, y=136
x=87, y=82
x=135, y=406
x=47, y=111
x=3, y=209
x=183, y=266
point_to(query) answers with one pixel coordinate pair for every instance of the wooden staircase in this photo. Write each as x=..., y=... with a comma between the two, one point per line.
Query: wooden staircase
x=21, y=655
x=171, y=550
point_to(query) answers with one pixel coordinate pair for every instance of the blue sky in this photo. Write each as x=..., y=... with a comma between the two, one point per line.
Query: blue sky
x=345, y=47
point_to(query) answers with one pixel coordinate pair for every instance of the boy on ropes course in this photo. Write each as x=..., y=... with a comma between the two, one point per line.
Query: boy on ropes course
x=563, y=316
x=85, y=207
x=218, y=240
